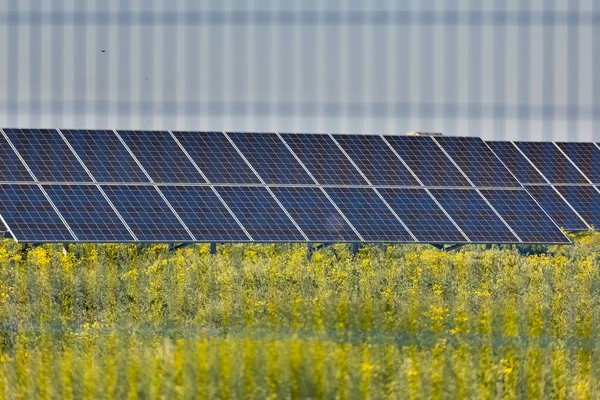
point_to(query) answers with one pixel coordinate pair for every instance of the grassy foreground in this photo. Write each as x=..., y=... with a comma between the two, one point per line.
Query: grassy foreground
x=260, y=321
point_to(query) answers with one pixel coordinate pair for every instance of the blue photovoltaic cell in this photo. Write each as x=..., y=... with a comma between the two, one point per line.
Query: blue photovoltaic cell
x=525, y=216
x=557, y=208
x=586, y=156
x=369, y=215
x=47, y=155
x=323, y=158
x=105, y=156
x=161, y=157
x=478, y=162
x=376, y=160
x=30, y=215
x=516, y=162
x=427, y=161
x=551, y=162
x=87, y=212
x=146, y=213
x=204, y=214
x=260, y=214
x=425, y=219
x=216, y=157
x=11, y=168
x=270, y=158
x=474, y=216
x=585, y=200
x=315, y=214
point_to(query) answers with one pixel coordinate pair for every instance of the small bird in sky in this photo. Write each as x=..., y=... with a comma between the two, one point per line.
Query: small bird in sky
x=103, y=51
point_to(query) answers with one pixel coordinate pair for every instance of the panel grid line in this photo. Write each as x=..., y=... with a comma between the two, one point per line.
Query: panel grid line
x=268, y=189
x=320, y=186
x=64, y=221
x=8, y=228
x=376, y=191
x=426, y=189
x=97, y=186
x=573, y=163
x=189, y=232
x=211, y=186
x=476, y=189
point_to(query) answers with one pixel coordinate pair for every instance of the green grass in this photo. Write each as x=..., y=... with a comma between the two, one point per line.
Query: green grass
x=262, y=321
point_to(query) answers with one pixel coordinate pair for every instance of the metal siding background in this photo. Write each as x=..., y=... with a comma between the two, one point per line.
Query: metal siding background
x=497, y=69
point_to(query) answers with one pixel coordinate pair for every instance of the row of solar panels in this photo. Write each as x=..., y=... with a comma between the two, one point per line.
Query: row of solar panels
x=127, y=186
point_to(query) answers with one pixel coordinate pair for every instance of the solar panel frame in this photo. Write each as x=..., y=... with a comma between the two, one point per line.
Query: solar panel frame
x=516, y=162
x=586, y=156
x=423, y=216
x=161, y=157
x=12, y=168
x=557, y=207
x=552, y=163
x=105, y=156
x=204, y=214
x=270, y=158
x=33, y=219
x=474, y=215
x=477, y=161
x=525, y=216
x=47, y=155
x=223, y=164
x=260, y=214
x=324, y=159
x=147, y=214
x=88, y=213
x=427, y=161
x=315, y=214
x=376, y=160
x=361, y=205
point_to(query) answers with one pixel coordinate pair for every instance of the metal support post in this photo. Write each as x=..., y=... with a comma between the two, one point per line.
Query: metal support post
x=213, y=248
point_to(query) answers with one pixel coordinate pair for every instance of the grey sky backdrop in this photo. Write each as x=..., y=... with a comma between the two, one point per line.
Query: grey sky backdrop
x=497, y=69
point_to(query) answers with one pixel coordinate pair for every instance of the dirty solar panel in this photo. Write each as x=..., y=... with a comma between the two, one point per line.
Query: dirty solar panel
x=525, y=216
x=30, y=215
x=88, y=213
x=315, y=214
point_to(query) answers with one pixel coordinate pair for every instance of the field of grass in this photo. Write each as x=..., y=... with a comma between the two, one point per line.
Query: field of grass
x=263, y=321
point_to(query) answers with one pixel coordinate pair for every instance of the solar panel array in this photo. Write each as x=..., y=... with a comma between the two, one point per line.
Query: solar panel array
x=562, y=177
x=162, y=186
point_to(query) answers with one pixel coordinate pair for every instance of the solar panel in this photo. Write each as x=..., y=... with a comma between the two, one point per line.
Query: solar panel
x=427, y=161
x=161, y=157
x=369, y=215
x=326, y=162
x=474, y=216
x=516, y=162
x=376, y=160
x=586, y=156
x=203, y=213
x=30, y=215
x=216, y=157
x=146, y=213
x=270, y=158
x=585, y=200
x=557, y=208
x=525, y=216
x=551, y=162
x=478, y=162
x=105, y=156
x=47, y=155
x=315, y=214
x=87, y=212
x=425, y=219
x=11, y=168
x=260, y=214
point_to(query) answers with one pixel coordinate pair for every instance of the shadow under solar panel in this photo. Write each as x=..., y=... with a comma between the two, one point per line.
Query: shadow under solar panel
x=30, y=216
x=525, y=216
x=88, y=213
x=474, y=216
x=314, y=213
